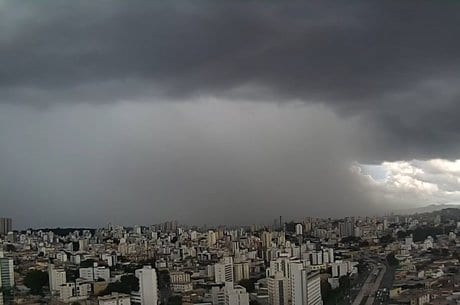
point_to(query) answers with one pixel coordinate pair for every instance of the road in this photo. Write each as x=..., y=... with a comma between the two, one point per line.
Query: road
x=356, y=285
x=366, y=286
x=376, y=285
x=381, y=276
x=386, y=283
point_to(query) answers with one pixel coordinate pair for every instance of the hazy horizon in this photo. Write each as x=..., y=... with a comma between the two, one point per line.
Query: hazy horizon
x=225, y=112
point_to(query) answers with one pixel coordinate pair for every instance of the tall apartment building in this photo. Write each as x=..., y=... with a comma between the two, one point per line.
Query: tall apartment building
x=298, y=229
x=305, y=286
x=347, y=228
x=94, y=273
x=223, y=271
x=280, y=264
x=278, y=289
x=230, y=294
x=57, y=277
x=148, y=287
x=241, y=270
x=217, y=295
x=180, y=281
x=74, y=291
x=266, y=239
x=212, y=238
x=235, y=295
x=6, y=272
x=6, y=225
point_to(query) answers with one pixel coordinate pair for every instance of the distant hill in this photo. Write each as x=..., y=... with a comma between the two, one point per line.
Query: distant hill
x=426, y=209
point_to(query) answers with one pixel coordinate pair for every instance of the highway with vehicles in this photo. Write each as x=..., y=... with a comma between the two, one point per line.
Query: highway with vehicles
x=375, y=289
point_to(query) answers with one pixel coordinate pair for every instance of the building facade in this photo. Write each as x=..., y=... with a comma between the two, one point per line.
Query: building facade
x=223, y=271
x=115, y=299
x=278, y=290
x=148, y=287
x=305, y=286
x=6, y=225
x=6, y=272
x=57, y=277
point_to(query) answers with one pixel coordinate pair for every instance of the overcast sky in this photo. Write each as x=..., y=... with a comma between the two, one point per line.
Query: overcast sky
x=226, y=111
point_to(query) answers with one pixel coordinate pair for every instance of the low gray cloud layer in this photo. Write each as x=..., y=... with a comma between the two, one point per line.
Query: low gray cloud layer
x=385, y=72
x=200, y=162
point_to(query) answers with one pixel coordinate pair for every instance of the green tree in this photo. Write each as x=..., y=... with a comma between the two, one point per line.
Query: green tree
x=163, y=279
x=175, y=300
x=35, y=280
x=344, y=282
x=126, y=284
x=386, y=239
x=72, y=274
x=10, y=248
x=325, y=289
x=87, y=263
x=391, y=259
x=350, y=240
x=402, y=234
x=248, y=284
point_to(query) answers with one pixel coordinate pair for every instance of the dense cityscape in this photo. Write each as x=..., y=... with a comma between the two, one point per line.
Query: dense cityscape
x=410, y=259
x=206, y=152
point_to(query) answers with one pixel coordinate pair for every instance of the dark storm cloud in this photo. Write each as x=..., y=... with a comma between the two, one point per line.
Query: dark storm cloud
x=149, y=110
x=302, y=50
x=214, y=162
x=391, y=61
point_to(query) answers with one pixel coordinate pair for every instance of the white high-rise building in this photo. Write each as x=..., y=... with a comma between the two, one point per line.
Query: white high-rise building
x=235, y=294
x=278, y=289
x=298, y=229
x=193, y=235
x=281, y=264
x=73, y=292
x=217, y=295
x=6, y=272
x=331, y=255
x=148, y=287
x=223, y=271
x=241, y=271
x=266, y=239
x=110, y=258
x=57, y=277
x=94, y=273
x=305, y=286
x=212, y=238
x=339, y=269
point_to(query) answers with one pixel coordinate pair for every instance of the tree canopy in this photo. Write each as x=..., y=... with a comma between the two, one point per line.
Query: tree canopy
x=35, y=280
x=126, y=284
x=248, y=284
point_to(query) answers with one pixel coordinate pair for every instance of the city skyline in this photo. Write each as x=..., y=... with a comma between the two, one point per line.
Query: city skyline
x=352, y=261
x=226, y=112
x=271, y=224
